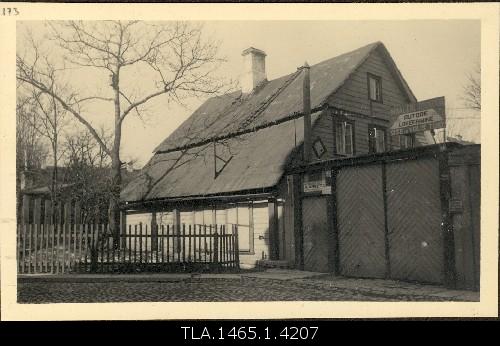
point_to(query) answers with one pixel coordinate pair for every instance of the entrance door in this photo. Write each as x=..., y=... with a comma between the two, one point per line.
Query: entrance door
x=315, y=234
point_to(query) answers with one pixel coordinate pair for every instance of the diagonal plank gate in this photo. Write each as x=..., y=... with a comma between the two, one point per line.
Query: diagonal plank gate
x=411, y=215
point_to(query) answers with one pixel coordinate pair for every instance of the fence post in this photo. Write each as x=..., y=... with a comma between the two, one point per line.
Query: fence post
x=236, y=248
x=216, y=251
x=47, y=220
x=123, y=226
x=66, y=230
x=78, y=213
x=25, y=219
x=37, y=215
x=93, y=248
x=154, y=233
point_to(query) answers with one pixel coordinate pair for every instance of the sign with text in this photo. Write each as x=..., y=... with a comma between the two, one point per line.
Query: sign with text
x=416, y=117
x=318, y=182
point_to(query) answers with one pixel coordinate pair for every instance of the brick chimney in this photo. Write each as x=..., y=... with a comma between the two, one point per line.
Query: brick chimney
x=254, y=69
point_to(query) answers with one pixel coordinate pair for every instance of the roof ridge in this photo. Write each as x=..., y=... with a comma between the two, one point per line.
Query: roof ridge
x=269, y=100
x=278, y=86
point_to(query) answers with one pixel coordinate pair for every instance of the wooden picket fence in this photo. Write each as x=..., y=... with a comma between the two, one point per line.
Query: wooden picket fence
x=53, y=239
x=66, y=248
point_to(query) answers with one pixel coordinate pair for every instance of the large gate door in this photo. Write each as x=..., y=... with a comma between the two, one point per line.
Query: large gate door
x=360, y=221
x=414, y=218
x=315, y=236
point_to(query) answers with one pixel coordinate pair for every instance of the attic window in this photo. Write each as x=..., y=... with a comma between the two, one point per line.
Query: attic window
x=374, y=88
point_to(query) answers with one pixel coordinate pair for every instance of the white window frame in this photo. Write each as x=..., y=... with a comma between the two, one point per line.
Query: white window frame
x=342, y=138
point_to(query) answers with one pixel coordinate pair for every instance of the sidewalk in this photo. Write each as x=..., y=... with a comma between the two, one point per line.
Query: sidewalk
x=296, y=279
x=373, y=287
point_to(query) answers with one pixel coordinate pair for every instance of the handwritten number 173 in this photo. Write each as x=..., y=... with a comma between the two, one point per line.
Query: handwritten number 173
x=10, y=11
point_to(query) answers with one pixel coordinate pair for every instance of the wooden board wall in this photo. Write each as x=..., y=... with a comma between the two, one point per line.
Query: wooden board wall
x=353, y=96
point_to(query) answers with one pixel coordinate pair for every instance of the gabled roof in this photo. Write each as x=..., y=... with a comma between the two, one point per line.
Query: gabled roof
x=182, y=168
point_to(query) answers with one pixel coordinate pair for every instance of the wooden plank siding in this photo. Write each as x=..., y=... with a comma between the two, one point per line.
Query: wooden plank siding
x=258, y=230
x=323, y=129
x=353, y=96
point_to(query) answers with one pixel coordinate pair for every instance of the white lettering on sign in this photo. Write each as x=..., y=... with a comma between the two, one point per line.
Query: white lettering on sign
x=419, y=116
x=417, y=121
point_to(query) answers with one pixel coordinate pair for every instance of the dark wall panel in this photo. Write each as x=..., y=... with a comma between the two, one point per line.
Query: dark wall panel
x=360, y=220
x=414, y=221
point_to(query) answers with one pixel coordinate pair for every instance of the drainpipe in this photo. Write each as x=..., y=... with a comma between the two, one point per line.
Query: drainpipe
x=306, y=102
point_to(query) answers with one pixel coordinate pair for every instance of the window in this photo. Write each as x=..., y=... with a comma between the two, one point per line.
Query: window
x=344, y=140
x=374, y=88
x=245, y=243
x=376, y=139
x=407, y=141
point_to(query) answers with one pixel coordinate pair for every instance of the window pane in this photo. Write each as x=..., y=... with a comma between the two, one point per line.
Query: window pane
x=231, y=214
x=186, y=218
x=380, y=138
x=373, y=90
x=371, y=140
x=198, y=217
x=207, y=216
x=340, y=136
x=396, y=142
x=348, y=139
x=244, y=238
x=220, y=216
x=243, y=215
x=403, y=142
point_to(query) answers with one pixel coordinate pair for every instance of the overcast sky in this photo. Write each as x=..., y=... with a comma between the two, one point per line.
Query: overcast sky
x=433, y=56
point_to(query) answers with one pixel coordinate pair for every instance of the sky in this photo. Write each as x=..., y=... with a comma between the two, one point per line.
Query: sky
x=434, y=57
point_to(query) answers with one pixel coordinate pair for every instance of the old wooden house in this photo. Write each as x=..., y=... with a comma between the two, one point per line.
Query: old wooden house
x=228, y=162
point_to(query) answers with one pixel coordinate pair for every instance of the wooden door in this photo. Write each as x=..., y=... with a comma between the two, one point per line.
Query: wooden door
x=315, y=234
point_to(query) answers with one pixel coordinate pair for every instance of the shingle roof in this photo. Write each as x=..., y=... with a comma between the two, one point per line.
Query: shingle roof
x=258, y=158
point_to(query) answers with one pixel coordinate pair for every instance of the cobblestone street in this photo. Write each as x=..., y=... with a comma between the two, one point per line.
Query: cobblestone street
x=199, y=290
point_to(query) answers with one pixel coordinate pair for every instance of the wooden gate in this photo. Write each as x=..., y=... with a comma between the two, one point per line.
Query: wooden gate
x=414, y=221
x=360, y=221
x=410, y=215
x=315, y=228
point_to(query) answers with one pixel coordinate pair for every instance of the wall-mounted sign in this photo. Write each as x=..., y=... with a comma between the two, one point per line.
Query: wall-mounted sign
x=421, y=116
x=318, y=182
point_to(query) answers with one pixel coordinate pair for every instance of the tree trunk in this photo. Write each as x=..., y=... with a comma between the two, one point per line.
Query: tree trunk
x=114, y=200
x=116, y=179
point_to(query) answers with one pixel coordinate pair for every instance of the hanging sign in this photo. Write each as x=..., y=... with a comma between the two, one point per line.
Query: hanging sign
x=419, y=116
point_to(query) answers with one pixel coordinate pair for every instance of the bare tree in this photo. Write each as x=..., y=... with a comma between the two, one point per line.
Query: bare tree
x=174, y=56
x=82, y=147
x=472, y=91
x=31, y=151
x=48, y=119
x=87, y=168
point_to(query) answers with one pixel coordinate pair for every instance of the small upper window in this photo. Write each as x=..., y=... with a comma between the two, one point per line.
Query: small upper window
x=374, y=88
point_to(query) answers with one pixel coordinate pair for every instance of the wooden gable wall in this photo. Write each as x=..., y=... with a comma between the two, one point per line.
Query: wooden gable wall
x=353, y=96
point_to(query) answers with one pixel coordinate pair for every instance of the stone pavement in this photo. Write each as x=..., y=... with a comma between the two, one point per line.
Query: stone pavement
x=373, y=287
x=269, y=285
